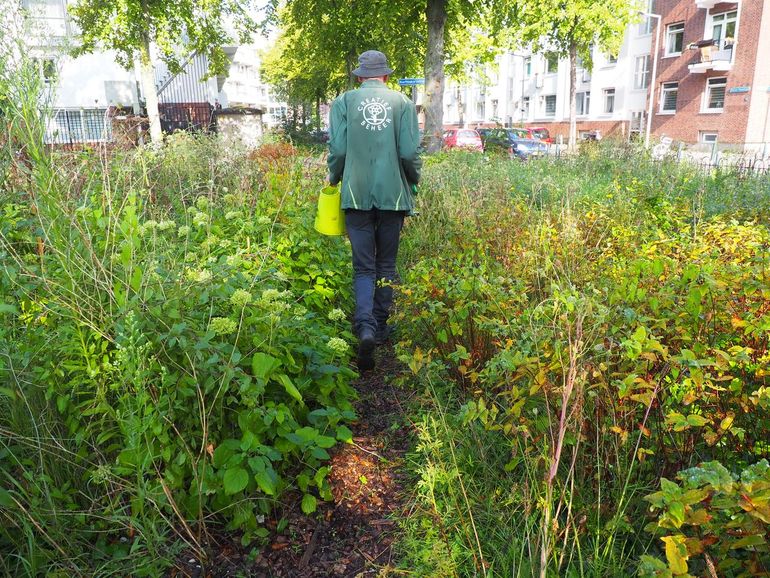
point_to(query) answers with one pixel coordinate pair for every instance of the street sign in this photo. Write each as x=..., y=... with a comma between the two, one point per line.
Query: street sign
x=738, y=89
x=411, y=81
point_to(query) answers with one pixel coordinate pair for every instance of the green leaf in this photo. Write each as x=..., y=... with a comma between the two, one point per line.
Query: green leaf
x=290, y=387
x=5, y=498
x=344, y=434
x=325, y=441
x=6, y=308
x=755, y=540
x=224, y=452
x=263, y=365
x=696, y=420
x=309, y=504
x=267, y=481
x=235, y=480
x=676, y=513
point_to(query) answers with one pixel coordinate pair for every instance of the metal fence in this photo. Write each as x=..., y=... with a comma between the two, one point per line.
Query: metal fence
x=754, y=162
x=190, y=116
x=80, y=126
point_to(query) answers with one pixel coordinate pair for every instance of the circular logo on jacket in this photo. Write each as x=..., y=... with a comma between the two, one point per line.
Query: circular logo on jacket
x=375, y=113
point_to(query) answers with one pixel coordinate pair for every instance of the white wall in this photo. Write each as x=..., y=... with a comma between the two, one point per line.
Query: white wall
x=510, y=84
x=81, y=82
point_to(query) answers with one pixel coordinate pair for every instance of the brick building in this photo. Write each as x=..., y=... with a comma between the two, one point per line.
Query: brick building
x=713, y=81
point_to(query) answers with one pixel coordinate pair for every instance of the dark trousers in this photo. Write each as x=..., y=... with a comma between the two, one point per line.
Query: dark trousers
x=374, y=237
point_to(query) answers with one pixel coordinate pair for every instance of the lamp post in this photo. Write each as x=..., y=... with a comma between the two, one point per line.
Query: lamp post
x=654, y=72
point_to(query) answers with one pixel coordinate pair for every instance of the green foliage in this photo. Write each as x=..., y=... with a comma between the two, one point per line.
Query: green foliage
x=722, y=522
x=320, y=43
x=559, y=26
x=172, y=353
x=596, y=327
x=126, y=27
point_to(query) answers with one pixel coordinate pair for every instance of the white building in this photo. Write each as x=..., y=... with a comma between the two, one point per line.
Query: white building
x=244, y=87
x=86, y=91
x=533, y=89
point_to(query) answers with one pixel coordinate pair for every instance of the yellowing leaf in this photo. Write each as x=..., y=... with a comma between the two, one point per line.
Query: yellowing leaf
x=676, y=553
x=696, y=420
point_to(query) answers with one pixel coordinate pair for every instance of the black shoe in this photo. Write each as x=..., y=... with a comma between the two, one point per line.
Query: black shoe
x=366, y=343
x=383, y=335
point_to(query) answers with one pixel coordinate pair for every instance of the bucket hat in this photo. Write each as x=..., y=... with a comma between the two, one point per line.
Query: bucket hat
x=372, y=63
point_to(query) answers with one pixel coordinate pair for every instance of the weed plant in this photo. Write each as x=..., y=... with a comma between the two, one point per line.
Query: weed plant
x=583, y=328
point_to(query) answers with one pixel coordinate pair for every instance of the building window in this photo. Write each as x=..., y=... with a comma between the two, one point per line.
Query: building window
x=612, y=59
x=609, y=100
x=707, y=137
x=551, y=62
x=723, y=27
x=527, y=67
x=480, y=108
x=645, y=26
x=642, y=72
x=674, y=39
x=46, y=68
x=582, y=103
x=550, y=105
x=68, y=126
x=668, y=94
x=714, y=100
x=525, y=107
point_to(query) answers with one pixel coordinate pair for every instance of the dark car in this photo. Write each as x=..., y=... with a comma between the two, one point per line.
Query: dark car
x=511, y=142
x=483, y=132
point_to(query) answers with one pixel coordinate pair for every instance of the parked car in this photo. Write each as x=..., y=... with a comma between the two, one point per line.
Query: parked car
x=541, y=133
x=523, y=132
x=463, y=138
x=513, y=142
x=483, y=133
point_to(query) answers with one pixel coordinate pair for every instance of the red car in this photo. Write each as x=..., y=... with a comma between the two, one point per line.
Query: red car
x=465, y=138
x=541, y=133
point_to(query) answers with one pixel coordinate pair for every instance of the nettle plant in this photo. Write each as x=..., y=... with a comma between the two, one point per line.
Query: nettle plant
x=712, y=523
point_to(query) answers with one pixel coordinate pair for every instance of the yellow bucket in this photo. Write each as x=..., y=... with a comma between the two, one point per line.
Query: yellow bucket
x=330, y=219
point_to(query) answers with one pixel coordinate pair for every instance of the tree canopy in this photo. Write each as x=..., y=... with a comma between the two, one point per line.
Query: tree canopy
x=176, y=27
x=320, y=41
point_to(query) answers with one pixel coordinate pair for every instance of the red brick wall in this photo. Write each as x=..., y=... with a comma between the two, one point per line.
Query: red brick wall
x=689, y=120
x=613, y=128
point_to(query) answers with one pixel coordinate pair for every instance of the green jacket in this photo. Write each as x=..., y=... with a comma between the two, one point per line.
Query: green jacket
x=374, y=147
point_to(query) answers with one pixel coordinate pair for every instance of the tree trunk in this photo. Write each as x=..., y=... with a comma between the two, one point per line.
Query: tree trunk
x=349, y=68
x=572, y=96
x=436, y=14
x=147, y=73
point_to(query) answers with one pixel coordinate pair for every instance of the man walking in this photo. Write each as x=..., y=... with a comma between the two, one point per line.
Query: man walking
x=374, y=145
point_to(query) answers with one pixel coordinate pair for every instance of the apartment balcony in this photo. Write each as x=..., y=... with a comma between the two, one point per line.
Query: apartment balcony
x=713, y=55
